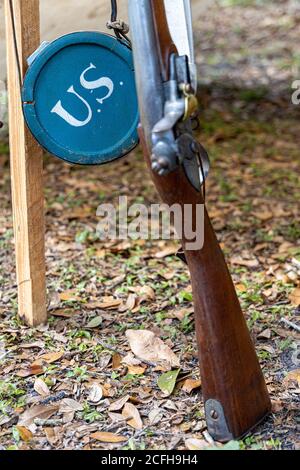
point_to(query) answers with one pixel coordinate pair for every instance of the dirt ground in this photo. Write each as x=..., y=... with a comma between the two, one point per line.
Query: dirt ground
x=65, y=385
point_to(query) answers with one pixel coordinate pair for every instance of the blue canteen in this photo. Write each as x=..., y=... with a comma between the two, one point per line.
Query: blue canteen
x=79, y=98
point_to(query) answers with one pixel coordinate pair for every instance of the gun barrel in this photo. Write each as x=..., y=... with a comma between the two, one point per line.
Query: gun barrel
x=147, y=65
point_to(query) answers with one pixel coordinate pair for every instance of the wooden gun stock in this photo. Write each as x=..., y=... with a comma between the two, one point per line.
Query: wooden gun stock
x=234, y=390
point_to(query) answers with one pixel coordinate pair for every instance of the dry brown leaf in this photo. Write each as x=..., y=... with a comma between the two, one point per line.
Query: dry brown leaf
x=96, y=394
x=34, y=369
x=24, y=433
x=136, y=370
x=155, y=416
x=241, y=287
x=50, y=358
x=196, y=444
x=77, y=213
x=292, y=378
x=147, y=293
x=268, y=348
x=190, y=385
x=119, y=404
x=116, y=417
x=132, y=415
x=70, y=295
x=277, y=406
x=182, y=313
x=53, y=435
x=266, y=334
x=148, y=347
x=131, y=302
x=116, y=361
x=263, y=215
x=68, y=405
x=171, y=250
x=108, y=437
x=41, y=388
x=108, y=391
x=107, y=303
x=27, y=418
x=63, y=313
x=249, y=263
x=294, y=297
x=130, y=360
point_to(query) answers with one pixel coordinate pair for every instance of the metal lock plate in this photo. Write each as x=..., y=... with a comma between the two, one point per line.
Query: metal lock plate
x=79, y=98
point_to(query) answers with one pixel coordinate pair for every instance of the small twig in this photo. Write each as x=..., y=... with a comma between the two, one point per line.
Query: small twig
x=51, y=423
x=290, y=324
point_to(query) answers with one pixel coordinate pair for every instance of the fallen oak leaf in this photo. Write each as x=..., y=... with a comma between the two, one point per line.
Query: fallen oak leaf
x=25, y=434
x=196, y=444
x=107, y=303
x=190, y=385
x=169, y=251
x=155, y=416
x=116, y=361
x=64, y=313
x=108, y=437
x=131, y=301
x=34, y=369
x=265, y=334
x=70, y=296
x=27, y=418
x=50, y=358
x=96, y=394
x=119, y=404
x=148, y=347
x=263, y=215
x=136, y=370
x=241, y=287
x=116, y=417
x=294, y=297
x=68, y=405
x=292, y=378
x=182, y=313
x=249, y=263
x=53, y=435
x=41, y=388
x=130, y=360
x=132, y=415
x=146, y=293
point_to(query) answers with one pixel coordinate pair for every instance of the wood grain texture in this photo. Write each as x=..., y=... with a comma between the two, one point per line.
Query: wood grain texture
x=163, y=35
x=26, y=171
x=229, y=366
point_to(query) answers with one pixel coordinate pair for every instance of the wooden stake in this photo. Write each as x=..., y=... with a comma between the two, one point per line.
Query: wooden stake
x=26, y=170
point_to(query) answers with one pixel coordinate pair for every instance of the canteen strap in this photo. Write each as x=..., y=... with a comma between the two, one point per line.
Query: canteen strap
x=121, y=29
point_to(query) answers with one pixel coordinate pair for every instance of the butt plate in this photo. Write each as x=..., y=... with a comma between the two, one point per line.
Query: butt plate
x=216, y=421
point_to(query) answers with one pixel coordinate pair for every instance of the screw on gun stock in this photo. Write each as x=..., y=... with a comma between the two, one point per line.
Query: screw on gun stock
x=194, y=147
x=161, y=165
x=214, y=414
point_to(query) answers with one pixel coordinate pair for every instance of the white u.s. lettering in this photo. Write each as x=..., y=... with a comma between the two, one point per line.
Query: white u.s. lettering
x=88, y=85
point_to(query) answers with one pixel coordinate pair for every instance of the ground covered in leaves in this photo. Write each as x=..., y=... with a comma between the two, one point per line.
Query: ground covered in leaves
x=88, y=379
x=69, y=383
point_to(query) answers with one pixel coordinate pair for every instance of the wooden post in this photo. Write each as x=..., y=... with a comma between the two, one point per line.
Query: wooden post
x=26, y=169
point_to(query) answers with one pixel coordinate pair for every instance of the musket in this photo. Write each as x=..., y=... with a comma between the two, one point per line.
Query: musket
x=234, y=391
